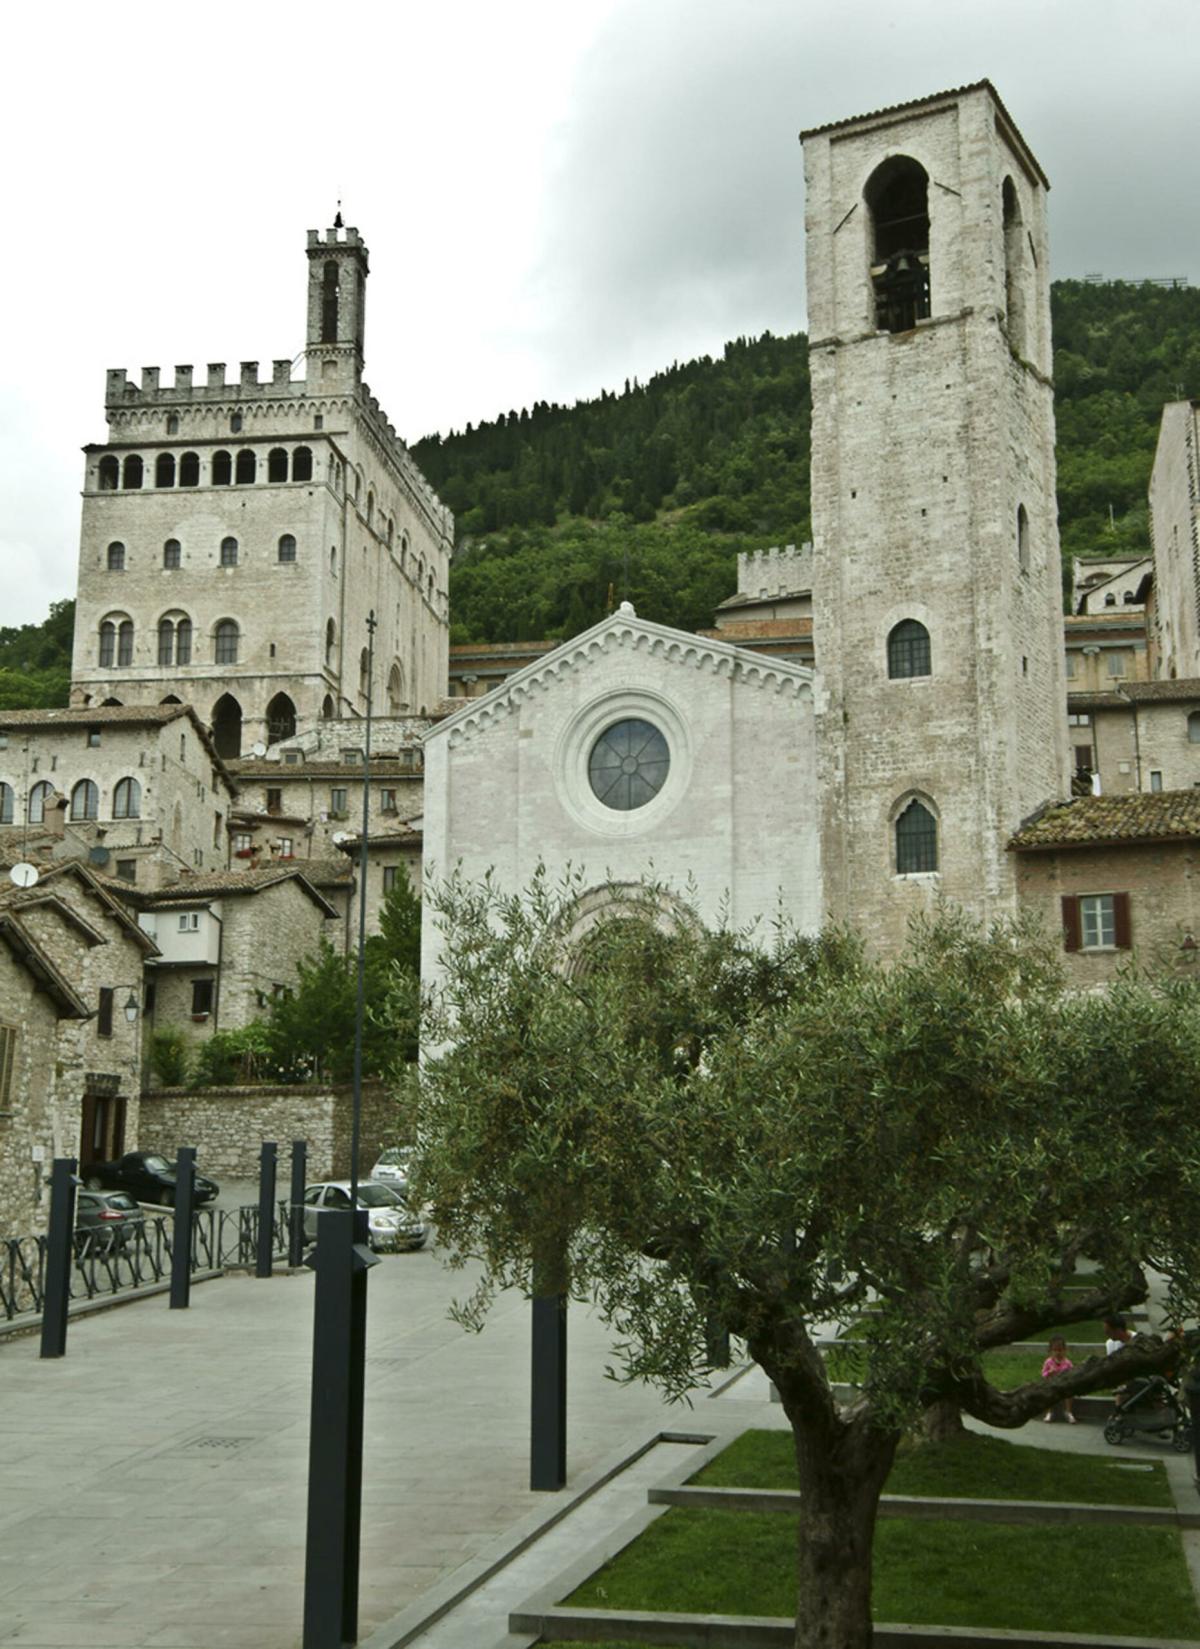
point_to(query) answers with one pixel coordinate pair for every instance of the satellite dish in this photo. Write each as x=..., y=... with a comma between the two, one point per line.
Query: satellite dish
x=338, y=837
x=258, y=749
x=23, y=875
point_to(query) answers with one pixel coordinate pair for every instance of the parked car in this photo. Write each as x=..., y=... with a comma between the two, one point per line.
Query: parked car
x=106, y=1220
x=391, y=1223
x=393, y=1167
x=146, y=1176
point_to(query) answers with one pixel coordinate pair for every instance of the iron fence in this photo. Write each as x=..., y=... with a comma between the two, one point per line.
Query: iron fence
x=107, y=1263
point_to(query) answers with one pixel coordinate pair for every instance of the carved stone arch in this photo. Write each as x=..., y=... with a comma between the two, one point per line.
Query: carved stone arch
x=1016, y=317
x=397, y=703
x=227, y=726
x=897, y=200
x=915, y=828
x=609, y=902
x=281, y=719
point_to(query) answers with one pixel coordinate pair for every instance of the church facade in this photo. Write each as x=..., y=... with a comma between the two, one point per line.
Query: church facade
x=236, y=533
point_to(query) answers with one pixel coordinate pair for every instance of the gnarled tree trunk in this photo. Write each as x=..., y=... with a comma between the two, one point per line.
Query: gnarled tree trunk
x=943, y=1421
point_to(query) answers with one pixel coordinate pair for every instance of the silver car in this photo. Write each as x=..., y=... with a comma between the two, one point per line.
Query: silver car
x=394, y=1167
x=391, y=1223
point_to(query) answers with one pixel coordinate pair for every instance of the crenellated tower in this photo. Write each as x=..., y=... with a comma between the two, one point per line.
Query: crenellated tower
x=936, y=589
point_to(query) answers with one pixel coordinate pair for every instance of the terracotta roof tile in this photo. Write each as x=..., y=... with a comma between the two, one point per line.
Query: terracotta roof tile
x=1090, y=821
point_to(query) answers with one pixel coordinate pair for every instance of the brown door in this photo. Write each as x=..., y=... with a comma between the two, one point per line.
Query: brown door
x=102, y=1131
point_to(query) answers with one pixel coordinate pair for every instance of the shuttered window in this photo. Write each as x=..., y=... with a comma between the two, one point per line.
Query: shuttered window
x=8, y=1053
x=1096, y=921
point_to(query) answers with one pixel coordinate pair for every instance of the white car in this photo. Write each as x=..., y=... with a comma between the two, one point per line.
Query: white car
x=391, y=1223
x=394, y=1166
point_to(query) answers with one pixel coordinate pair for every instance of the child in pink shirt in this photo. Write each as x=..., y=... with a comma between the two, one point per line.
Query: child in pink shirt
x=1058, y=1363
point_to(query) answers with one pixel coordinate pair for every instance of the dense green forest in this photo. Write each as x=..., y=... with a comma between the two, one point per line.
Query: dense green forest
x=651, y=493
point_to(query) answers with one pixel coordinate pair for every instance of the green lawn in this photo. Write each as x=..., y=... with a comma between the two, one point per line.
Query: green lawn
x=937, y=1573
x=973, y=1467
x=1005, y=1368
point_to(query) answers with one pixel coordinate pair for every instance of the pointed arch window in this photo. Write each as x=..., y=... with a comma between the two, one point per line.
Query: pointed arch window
x=916, y=841
x=364, y=672
x=164, y=470
x=127, y=799
x=330, y=643
x=85, y=800
x=302, y=464
x=38, y=798
x=908, y=650
x=277, y=464
x=247, y=467
x=6, y=804
x=281, y=718
x=222, y=469
x=1014, y=248
x=189, y=469
x=897, y=197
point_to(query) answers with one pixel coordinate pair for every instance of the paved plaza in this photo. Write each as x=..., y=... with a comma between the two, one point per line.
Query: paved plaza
x=154, y=1479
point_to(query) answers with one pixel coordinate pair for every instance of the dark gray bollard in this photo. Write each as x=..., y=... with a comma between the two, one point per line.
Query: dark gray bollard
x=59, y=1242
x=266, y=1210
x=296, y=1203
x=181, y=1235
x=548, y=1393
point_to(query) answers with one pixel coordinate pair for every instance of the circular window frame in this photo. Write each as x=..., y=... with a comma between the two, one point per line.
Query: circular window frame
x=574, y=748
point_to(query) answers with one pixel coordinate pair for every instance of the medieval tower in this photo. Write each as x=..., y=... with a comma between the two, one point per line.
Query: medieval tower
x=936, y=583
x=236, y=534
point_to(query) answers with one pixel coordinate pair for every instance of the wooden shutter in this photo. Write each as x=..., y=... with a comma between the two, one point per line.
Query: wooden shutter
x=1122, y=926
x=1072, y=933
x=104, y=1019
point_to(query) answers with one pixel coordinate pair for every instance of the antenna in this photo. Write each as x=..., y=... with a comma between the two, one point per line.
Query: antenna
x=23, y=874
x=258, y=749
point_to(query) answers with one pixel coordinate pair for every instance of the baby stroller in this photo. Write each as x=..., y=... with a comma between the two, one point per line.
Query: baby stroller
x=1151, y=1407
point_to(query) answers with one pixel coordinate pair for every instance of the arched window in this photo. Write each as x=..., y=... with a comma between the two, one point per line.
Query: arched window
x=183, y=641
x=281, y=719
x=897, y=196
x=164, y=470
x=222, y=469
x=235, y=424
x=327, y=708
x=110, y=704
x=6, y=803
x=389, y=530
x=364, y=672
x=1014, y=263
x=247, y=466
x=227, y=726
x=333, y=560
x=172, y=554
x=302, y=465
x=85, y=800
x=1194, y=727
x=287, y=547
x=116, y=558
x=329, y=302
x=189, y=469
x=330, y=642
x=916, y=840
x=171, y=698
x=166, y=641
x=370, y=508
x=172, y=423
x=908, y=650
x=107, y=655
x=229, y=552
x=395, y=689
x=430, y=587
x=109, y=474
x=127, y=799
x=225, y=642
x=277, y=464
x=132, y=476
x=125, y=641
x=1022, y=538
x=38, y=797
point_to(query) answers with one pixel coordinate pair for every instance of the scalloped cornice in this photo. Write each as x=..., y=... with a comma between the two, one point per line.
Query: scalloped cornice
x=624, y=631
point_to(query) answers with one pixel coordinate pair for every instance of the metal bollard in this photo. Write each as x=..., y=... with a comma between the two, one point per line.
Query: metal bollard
x=548, y=1393
x=181, y=1235
x=59, y=1239
x=266, y=1210
x=296, y=1203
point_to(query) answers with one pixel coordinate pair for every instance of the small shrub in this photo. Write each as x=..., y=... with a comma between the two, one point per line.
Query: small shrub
x=169, y=1056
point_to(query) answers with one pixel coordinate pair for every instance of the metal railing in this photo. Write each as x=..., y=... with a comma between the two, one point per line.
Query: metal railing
x=105, y=1264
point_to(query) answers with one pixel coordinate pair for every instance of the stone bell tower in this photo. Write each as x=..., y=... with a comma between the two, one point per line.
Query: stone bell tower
x=937, y=595
x=337, y=302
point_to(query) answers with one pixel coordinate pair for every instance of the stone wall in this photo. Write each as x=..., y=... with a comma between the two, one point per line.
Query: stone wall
x=1175, y=529
x=228, y=1126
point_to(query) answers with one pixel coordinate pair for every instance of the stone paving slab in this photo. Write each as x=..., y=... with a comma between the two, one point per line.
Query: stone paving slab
x=155, y=1480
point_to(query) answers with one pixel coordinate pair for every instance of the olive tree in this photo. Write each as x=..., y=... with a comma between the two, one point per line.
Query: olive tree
x=780, y=1133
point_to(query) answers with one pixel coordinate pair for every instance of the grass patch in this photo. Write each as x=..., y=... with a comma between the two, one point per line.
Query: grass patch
x=972, y=1467
x=1005, y=1368
x=940, y=1573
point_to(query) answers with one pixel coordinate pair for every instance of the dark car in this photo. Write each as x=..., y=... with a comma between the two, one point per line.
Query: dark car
x=146, y=1176
x=106, y=1220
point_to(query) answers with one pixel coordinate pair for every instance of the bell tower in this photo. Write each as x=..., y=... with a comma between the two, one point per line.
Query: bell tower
x=337, y=298
x=936, y=580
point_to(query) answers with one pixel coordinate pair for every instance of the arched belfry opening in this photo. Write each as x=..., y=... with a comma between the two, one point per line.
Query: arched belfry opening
x=897, y=197
x=281, y=719
x=329, y=303
x=1014, y=266
x=227, y=726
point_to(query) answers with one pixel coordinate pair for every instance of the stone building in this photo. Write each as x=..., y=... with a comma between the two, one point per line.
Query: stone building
x=236, y=534
x=139, y=790
x=1120, y=877
x=936, y=579
x=1175, y=535
x=1145, y=736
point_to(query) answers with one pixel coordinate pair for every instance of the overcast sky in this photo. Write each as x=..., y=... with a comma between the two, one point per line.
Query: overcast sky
x=555, y=195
